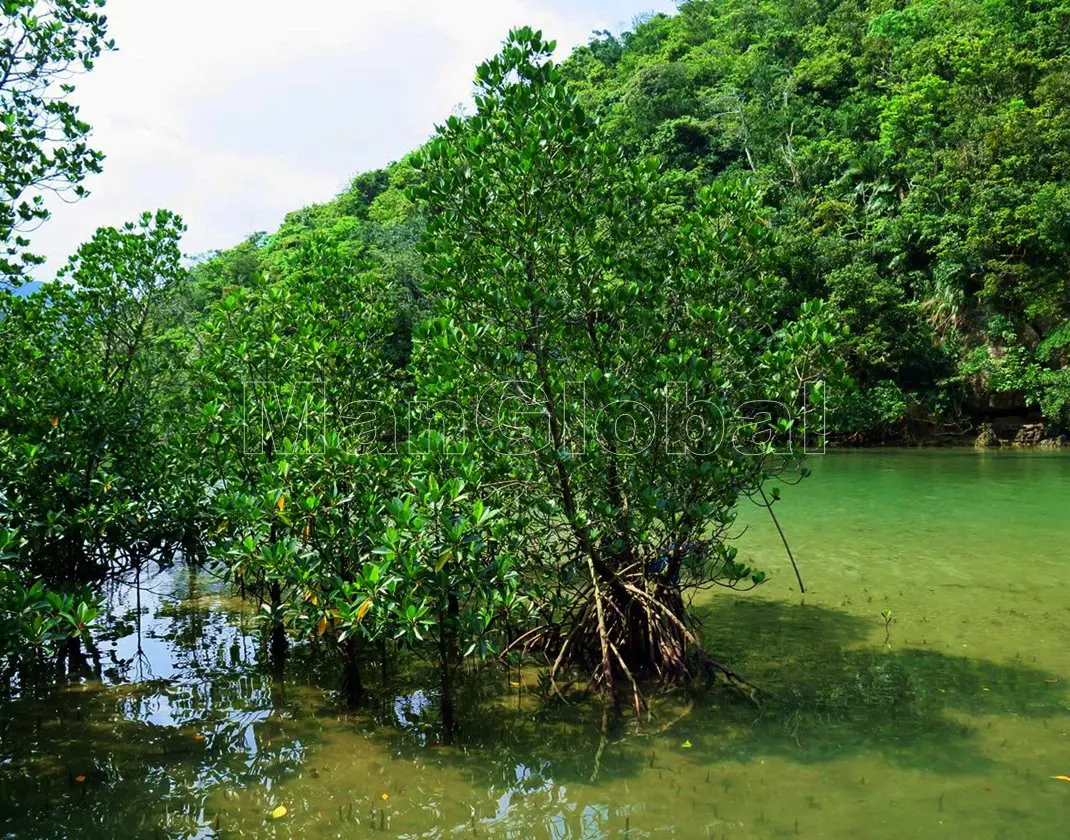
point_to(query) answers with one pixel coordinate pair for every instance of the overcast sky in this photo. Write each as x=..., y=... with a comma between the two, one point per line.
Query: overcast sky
x=235, y=112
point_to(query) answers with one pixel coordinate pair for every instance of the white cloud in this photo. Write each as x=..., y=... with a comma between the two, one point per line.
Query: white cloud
x=234, y=112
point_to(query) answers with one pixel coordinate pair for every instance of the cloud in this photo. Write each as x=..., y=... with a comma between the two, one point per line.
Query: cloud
x=235, y=112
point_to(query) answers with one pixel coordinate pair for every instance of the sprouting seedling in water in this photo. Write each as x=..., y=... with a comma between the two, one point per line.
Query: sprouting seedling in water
x=888, y=619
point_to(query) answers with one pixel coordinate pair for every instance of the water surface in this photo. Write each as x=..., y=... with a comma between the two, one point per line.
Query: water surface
x=918, y=689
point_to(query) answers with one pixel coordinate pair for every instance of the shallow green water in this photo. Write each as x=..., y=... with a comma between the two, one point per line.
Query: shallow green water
x=948, y=722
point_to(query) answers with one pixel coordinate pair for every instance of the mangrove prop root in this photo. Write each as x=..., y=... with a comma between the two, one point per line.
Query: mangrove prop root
x=631, y=630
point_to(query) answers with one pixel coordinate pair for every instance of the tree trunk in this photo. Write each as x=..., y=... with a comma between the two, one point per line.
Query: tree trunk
x=352, y=685
x=278, y=632
x=446, y=706
x=447, y=644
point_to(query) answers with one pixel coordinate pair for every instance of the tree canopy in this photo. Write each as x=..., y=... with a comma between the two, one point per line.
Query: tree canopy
x=43, y=139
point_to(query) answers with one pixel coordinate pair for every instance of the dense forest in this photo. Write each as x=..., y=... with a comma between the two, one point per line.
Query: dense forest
x=912, y=158
x=499, y=400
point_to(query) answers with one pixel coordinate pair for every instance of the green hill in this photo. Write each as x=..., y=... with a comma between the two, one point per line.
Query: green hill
x=913, y=158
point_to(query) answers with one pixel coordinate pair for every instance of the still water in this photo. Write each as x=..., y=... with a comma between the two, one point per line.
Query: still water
x=919, y=689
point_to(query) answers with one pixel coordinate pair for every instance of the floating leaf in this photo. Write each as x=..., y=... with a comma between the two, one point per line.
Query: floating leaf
x=1062, y=778
x=279, y=813
x=79, y=779
x=515, y=684
x=384, y=796
x=198, y=736
x=686, y=745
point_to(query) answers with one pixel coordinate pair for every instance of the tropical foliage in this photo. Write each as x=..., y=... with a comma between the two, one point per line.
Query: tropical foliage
x=501, y=399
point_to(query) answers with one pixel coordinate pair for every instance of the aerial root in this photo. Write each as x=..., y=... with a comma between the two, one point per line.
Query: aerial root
x=627, y=631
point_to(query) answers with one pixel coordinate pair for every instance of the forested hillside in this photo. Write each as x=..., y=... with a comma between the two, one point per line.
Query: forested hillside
x=912, y=158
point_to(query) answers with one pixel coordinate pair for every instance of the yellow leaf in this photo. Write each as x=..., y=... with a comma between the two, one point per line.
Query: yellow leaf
x=280, y=505
x=54, y=421
x=79, y=779
x=321, y=628
x=306, y=533
x=1062, y=778
x=199, y=736
x=443, y=560
x=279, y=813
x=362, y=610
x=107, y=486
x=515, y=684
x=686, y=745
x=384, y=796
